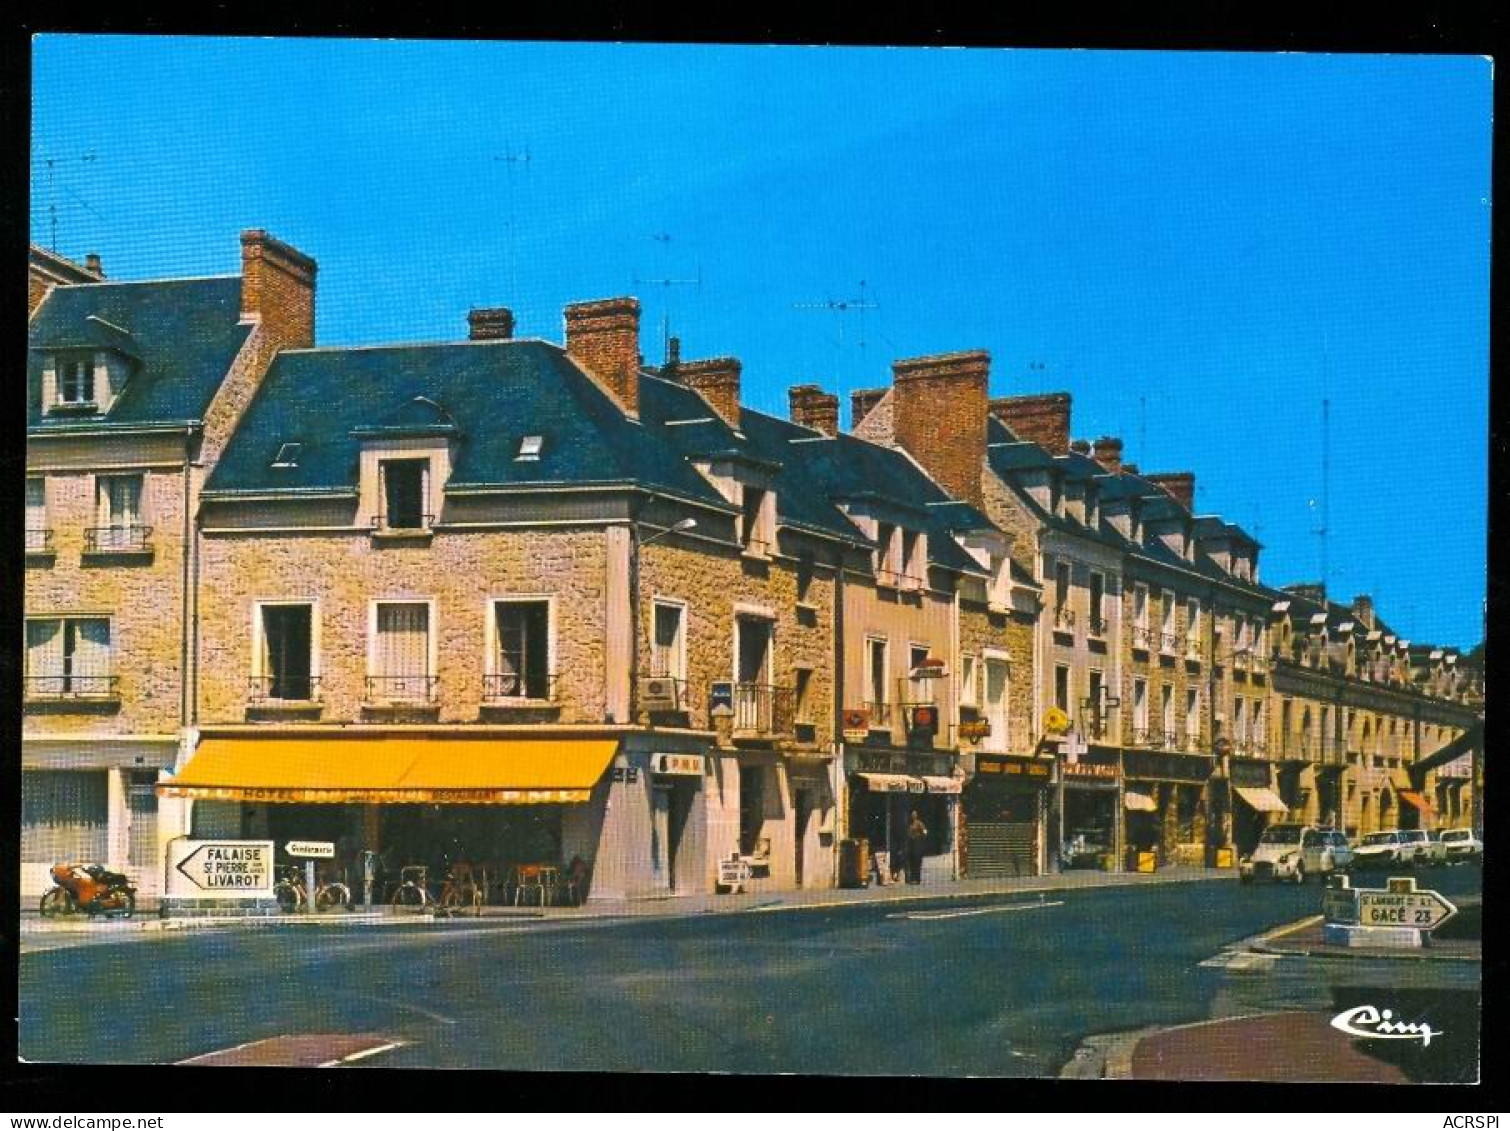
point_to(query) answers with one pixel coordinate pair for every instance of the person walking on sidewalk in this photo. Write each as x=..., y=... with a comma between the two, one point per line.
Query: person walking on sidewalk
x=917, y=833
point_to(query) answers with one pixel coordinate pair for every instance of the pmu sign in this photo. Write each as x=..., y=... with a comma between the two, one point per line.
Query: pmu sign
x=220, y=869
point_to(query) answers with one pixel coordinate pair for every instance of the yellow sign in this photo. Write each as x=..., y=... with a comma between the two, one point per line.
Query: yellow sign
x=1055, y=721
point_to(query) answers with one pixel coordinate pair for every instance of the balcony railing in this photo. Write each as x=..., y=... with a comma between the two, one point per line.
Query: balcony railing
x=1192, y=741
x=761, y=710
x=71, y=686
x=1169, y=641
x=1143, y=736
x=662, y=694
x=895, y=579
x=1170, y=739
x=1143, y=637
x=1064, y=618
x=519, y=687
x=408, y=524
x=1097, y=625
x=117, y=539
x=1193, y=648
x=880, y=715
x=265, y=689
x=401, y=688
x=39, y=542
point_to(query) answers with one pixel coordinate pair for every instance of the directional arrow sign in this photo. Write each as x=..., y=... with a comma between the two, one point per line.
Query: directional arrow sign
x=316, y=849
x=1404, y=906
x=237, y=869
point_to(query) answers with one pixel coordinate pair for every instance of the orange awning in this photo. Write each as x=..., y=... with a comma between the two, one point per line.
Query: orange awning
x=1418, y=801
x=393, y=770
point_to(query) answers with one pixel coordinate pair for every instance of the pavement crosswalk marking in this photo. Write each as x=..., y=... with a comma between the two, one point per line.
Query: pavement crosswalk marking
x=960, y=914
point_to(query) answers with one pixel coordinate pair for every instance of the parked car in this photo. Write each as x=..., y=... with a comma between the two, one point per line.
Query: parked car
x=1461, y=846
x=1293, y=852
x=1432, y=850
x=1388, y=849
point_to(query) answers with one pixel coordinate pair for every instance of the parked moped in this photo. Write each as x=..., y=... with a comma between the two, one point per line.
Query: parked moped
x=90, y=888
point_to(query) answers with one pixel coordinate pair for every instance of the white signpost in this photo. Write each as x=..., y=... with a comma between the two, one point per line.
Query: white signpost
x=220, y=869
x=1399, y=915
x=314, y=849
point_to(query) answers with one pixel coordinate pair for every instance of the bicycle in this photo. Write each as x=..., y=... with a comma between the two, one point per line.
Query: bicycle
x=460, y=890
x=412, y=890
x=292, y=895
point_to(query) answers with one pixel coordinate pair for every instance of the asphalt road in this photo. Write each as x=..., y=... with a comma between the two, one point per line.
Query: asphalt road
x=997, y=988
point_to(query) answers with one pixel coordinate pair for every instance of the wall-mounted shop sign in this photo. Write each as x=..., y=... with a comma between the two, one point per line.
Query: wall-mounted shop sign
x=975, y=730
x=1091, y=771
x=856, y=722
x=1254, y=775
x=1000, y=766
x=311, y=849
x=687, y=765
x=918, y=765
x=721, y=696
x=1167, y=767
x=626, y=774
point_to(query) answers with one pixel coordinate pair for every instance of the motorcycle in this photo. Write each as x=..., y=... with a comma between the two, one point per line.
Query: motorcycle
x=89, y=888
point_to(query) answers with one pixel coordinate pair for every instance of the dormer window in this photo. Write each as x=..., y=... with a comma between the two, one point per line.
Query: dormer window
x=529, y=449
x=405, y=484
x=288, y=455
x=75, y=379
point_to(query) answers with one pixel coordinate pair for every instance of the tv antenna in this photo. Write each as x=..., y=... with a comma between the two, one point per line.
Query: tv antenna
x=666, y=283
x=512, y=160
x=841, y=308
x=52, y=193
x=1324, y=529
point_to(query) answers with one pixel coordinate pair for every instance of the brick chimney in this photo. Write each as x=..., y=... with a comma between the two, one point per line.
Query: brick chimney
x=278, y=285
x=1108, y=453
x=1080, y=447
x=717, y=379
x=939, y=407
x=92, y=264
x=1043, y=418
x=861, y=401
x=603, y=337
x=490, y=324
x=1363, y=609
x=1180, y=485
x=813, y=408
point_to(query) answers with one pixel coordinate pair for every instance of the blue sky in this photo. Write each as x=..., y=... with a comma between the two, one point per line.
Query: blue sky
x=1198, y=247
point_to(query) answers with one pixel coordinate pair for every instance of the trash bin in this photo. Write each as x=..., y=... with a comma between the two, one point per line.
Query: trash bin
x=854, y=862
x=1140, y=861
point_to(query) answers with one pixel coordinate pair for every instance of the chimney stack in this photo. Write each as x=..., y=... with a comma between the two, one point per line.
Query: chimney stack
x=812, y=408
x=673, y=353
x=603, y=337
x=490, y=324
x=861, y=401
x=939, y=416
x=92, y=264
x=278, y=285
x=1043, y=418
x=1179, y=485
x=1080, y=447
x=1108, y=453
x=1363, y=609
x=717, y=379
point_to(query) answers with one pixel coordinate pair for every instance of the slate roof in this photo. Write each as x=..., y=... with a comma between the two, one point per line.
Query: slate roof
x=184, y=333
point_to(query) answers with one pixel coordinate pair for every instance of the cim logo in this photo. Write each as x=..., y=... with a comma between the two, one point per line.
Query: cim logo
x=1367, y=1021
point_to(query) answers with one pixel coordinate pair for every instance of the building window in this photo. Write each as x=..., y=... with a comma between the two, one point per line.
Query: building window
x=1257, y=723
x=752, y=532
x=967, y=678
x=755, y=700
x=1166, y=713
x=401, y=663
x=876, y=681
x=286, y=663
x=751, y=809
x=1192, y=717
x=1094, y=705
x=802, y=694
x=76, y=379
x=888, y=572
x=1062, y=687
x=1140, y=710
x=668, y=649
x=1240, y=723
x=1140, y=606
x=38, y=537
x=1061, y=585
x=521, y=650
x=997, y=679
x=1193, y=626
x=68, y=657
x=1166, y=626
x=119, y=523
x=404, y=494
x=1098, y=604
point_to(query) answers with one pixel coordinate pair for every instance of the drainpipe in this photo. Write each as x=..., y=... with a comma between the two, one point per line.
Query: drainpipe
x=188, y=565
x=837, y=775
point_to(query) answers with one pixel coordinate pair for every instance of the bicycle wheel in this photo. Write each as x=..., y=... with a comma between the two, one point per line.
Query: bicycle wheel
x=410, y=895
x=333, y=895
x=288, y=896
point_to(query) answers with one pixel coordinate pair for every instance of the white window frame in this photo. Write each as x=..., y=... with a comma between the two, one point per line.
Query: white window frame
x=490, y=634
x=1192, y=626
x=1166, y=620
x=871, y=640
x=258, y=666
x=102, y=495
x=998, y=740
x=1140, y=705
x=432, y=625
x=62, y=619
x=1193, y=714
x=968, y=678
x=91, y=363
x=680, y=662
x=1140, y=605
x=427, y=478
x=1097, y=612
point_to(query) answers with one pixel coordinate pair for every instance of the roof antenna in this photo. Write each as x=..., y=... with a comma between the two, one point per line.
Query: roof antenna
x=664, y=239
x=842, y=307
x=52, y=195
x=512, y=159
x=1326, y=458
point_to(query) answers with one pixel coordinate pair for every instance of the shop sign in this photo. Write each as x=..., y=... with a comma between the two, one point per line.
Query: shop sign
x=986, y=764
x=1091, y=771
x=1167, y=767
x=856, y=726
x=311, y=849
x=975, y=730
x=721, y=695
x=220, y=869
x=686, y=765
x=1254, y=775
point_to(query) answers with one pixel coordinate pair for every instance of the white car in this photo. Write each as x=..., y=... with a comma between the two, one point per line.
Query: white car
x=1293, y=852
x=1461, y=846
x=1429, y=849
x=1387, y=849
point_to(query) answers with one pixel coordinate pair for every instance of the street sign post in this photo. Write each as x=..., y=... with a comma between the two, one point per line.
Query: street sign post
x=1400, y=915
x=1403, y=905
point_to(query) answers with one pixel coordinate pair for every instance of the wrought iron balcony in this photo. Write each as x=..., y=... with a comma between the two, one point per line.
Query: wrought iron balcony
x=1143, y=637
x=71, y=686
x=762, y=710
x=39, y=541
x=1097, y=625
x=118, y=540
x=262, y=690
x=1171, y=739
x=1064, y=618
x=880, y=715
x=405, y=524
x=401, y=688
x=519, y=687
x=1142, y=736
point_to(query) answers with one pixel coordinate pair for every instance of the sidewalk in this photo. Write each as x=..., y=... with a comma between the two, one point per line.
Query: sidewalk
x=668, y=906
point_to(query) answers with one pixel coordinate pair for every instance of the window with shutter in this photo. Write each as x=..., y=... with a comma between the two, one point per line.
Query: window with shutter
x=402, y=653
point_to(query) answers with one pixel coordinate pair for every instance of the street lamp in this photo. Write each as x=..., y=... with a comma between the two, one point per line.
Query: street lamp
x=676, y=528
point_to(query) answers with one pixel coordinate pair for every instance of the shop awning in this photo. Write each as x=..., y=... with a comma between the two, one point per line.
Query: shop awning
x=891, y=783
x=1139, y=802
x=941, y=785
x=1260, y=799
x=393, y=770
x=1419, y=801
